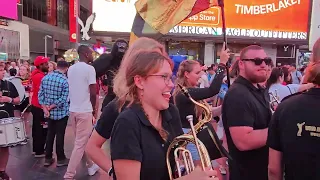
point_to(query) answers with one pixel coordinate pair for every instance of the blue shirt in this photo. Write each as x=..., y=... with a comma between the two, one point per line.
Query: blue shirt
x=54, y=89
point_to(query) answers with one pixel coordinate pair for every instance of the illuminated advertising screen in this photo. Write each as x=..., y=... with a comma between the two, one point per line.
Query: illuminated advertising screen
x=8, y=9
x=284, y=19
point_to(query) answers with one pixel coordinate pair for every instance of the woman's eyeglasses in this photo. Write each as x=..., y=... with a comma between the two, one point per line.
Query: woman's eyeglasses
x=259, y=61
x=167, y=78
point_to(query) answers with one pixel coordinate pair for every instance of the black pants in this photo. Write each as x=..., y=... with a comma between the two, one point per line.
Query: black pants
x=39, y=134
x=56, y=128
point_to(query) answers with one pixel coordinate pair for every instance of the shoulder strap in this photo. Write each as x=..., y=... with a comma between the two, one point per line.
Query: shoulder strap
x=289, y=89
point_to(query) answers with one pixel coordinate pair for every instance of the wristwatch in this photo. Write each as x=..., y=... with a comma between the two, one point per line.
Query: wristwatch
x=11, y=100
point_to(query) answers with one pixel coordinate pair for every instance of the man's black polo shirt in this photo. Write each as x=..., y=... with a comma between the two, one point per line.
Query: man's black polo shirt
x=246, y=105
x=295, y=131
x=134, y=138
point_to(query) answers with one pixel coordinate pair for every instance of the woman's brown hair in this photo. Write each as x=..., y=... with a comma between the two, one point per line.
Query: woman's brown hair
x=185, y=66
x=142, y=43
x=140, y=63
x=315, y=58
x=314, y=73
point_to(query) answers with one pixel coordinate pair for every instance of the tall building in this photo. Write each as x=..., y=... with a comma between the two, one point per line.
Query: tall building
x=48, y=21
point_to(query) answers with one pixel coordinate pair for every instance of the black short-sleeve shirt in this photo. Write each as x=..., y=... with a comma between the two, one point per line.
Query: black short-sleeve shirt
x=134, y=138
x=7, y=89
x=246, y=105
x=107, y=118
x=295, y=131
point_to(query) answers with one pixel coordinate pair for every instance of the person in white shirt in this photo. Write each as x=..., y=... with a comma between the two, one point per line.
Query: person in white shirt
x=295, y=74
x=281, y=91
x=82, y=94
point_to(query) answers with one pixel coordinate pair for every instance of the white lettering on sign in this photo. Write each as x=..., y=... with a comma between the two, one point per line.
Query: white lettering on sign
x=265, y=8
x=197, y=30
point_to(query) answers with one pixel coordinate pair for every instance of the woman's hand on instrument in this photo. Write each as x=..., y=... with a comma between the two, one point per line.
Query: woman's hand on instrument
x=224, y=54
x=199, y=174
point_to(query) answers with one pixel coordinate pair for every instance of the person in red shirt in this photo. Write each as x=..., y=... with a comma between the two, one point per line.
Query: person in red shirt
x=39, y=131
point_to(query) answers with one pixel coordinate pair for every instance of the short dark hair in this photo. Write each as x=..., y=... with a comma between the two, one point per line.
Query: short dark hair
x=83, y=49
x=246, y=49
x=13, y=72
x=62, y=64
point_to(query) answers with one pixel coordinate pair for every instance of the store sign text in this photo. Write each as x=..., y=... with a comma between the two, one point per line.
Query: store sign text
x=265, y=8
x=215, y=31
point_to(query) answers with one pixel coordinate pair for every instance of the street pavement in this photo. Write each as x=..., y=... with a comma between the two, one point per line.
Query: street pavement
x=23, y=166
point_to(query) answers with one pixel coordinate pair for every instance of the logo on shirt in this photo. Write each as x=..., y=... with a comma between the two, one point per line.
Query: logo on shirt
x=313, y=130
x=300, y=127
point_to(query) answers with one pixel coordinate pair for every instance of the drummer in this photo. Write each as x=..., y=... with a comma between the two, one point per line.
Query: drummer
x=8, y=97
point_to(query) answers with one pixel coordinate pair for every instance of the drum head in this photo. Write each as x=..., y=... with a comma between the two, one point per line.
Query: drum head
x=16, y=81
x=209, y=138
x=10, y=120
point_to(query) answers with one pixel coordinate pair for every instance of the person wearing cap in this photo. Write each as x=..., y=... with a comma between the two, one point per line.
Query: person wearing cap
x=294, y=133
x=53, y=97
x=39, y=131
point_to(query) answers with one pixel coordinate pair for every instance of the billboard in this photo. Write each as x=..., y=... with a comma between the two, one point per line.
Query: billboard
x=9, y=9
x=286, y=19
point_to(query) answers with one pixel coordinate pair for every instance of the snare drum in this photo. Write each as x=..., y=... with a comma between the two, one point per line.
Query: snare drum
x=17, y=82
x=12, y=132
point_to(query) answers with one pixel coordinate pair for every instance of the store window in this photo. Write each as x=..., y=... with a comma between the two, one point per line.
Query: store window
x=235, y=50
x=9, y=45
x=35, y=9
x=190, y=49
x=303, y=57
x=63, y=14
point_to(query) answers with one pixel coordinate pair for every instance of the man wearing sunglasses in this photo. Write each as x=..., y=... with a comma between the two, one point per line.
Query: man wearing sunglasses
x=246, y=115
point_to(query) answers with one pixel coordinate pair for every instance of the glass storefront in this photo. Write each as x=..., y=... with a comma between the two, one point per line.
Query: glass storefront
x=9, y=45
x=35, y=9
x=54, y=12
x=190, y=49
x=63, y=14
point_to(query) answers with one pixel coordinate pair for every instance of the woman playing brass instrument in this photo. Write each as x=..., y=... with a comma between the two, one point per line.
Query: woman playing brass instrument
x=110, y=112
x=188, y=76
x=143, y=131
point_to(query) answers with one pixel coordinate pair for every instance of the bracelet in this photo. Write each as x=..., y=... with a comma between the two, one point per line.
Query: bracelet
x=110, y=172
x=11, y=100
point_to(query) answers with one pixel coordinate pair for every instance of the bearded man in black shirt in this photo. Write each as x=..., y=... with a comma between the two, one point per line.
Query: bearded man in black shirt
x=246, y=115
x=8, y=97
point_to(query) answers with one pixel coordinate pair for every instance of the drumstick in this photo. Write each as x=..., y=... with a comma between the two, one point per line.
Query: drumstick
x=22, y=113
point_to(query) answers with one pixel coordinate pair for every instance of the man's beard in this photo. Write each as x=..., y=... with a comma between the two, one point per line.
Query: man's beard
x=44, y=69
x=256, y=79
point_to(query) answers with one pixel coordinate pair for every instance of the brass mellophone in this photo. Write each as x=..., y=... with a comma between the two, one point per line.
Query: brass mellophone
x=178, y=145
x=274, y=100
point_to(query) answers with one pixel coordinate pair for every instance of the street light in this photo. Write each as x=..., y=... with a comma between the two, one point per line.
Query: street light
x=45, y=44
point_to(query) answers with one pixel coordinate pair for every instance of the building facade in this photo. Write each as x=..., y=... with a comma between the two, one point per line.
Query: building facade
x=280, y=28
x=48, y=21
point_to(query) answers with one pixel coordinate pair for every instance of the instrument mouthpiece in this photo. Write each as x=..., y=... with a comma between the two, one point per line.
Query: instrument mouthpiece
x=184, y=90
x=190, y=118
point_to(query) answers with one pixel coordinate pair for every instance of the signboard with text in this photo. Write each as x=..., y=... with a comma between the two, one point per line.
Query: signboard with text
x=73, y=13
x=284, y=19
